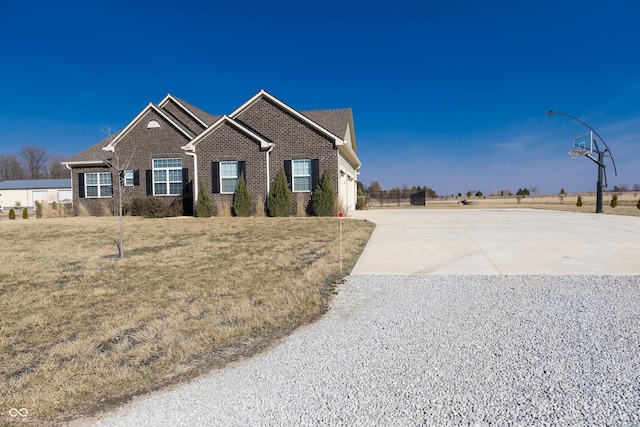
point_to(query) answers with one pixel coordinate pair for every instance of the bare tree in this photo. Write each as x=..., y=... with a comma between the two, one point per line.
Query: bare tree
x=56, y=169
x=10, y=167
x=374, y=187
x=118, y=167
x=624, y=187
x=534, y=190
x=35, y=159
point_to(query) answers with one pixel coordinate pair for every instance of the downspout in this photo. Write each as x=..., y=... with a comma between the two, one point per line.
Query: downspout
x=271, y=146
x=73, y=194
x=195, y=178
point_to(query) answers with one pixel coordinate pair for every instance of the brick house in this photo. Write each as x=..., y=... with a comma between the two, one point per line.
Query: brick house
x=170, y=149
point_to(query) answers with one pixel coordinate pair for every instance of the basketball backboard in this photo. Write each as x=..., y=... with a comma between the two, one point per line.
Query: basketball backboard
x=582, y=145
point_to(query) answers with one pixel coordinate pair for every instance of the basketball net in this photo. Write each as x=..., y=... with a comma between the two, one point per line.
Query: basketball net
x=576, y=153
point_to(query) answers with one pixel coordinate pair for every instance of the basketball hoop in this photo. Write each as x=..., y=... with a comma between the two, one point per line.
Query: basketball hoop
x=577, y=153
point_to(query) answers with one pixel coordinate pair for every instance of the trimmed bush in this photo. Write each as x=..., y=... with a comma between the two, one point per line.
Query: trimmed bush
x=579, y=202
x=25, y=213
x=242, y=199
x=39, y=210
x=12, y=214
x=614, y=201
x=137, y=207
x=204, y=206
x=149, y=207
x=638, y=204
x=156, y=208
x=323, y=199
x=280, y=196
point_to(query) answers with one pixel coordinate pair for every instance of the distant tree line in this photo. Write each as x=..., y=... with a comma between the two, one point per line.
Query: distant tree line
x=625, y=187
x=32, y=163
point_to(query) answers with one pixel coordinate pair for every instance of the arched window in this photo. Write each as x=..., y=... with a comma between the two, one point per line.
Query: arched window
x=153, y=124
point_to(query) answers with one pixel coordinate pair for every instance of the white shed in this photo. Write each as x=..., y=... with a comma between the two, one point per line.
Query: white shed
x=25, y=192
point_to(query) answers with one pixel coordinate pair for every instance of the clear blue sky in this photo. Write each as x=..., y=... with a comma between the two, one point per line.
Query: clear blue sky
x=449, y=94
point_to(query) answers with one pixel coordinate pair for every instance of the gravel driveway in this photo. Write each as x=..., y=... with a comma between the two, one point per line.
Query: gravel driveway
x=434, y=350
x=459, y=344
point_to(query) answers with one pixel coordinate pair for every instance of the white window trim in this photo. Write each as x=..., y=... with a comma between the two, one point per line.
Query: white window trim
x=168, y=181
x=236, y=177
x=294, y=176
x=98, y=185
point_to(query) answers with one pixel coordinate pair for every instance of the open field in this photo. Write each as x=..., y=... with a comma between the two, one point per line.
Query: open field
x=83, y=330
x=626, y=203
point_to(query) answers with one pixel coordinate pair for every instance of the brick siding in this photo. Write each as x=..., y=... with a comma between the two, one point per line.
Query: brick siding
x=136, y=150
x=293, y=139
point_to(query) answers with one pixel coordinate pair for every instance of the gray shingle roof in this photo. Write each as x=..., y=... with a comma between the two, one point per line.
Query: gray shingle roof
x=209, y=119
x=335, y=121
x=93, y=153
x=27, y=184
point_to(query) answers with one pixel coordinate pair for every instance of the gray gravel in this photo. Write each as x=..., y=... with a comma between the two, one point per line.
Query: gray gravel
x=434, y=350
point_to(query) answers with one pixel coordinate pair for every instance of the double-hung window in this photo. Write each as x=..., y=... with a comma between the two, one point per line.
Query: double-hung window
x=98, y=184
x=128, y=178
x=301, y=175
x=228, y=177
x=167, y=177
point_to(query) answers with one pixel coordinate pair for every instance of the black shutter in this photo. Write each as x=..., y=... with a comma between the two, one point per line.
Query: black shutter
x=136, y=177
x=81, y=185
x=186, y=189
x=287, y=172
x=242, y=171
x=122, y=178
x=315, y=173
x=149, y=177
x=215, y=177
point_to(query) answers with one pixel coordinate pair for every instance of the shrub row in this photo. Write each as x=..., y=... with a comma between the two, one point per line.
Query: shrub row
x=154, y=207
x=12, y=213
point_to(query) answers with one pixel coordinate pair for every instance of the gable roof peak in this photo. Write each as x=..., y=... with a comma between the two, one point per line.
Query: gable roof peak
x=184, y=106
x=264, y=94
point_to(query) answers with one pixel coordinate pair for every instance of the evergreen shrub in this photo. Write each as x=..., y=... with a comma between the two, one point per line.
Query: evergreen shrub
x=614, y=201
x=323, y=198
x=579, y=202
x=204, y=206
x=242, y=199
x=12, y=214
x=280, y=196
x=25, y=213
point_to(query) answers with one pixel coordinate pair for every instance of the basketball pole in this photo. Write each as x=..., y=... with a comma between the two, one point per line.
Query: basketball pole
x=599, y=161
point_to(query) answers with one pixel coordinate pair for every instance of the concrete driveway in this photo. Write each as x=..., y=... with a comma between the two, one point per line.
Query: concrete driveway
x=499, y=241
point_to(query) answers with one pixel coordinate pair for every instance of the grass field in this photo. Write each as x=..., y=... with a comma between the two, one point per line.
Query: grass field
x=627, y=203
x=82, y=330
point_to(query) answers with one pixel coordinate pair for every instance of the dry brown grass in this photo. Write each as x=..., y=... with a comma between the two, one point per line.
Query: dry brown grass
x=301, y=210
x=259, y=207
x=223, y=209
x=626, y=203
x=81, y=330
